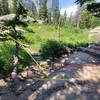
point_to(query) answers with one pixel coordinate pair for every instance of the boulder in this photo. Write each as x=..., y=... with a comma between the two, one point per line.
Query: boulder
x=3, y=27
x=8, y=17
x=29, y=19
x=20, y=30
x=40, y=21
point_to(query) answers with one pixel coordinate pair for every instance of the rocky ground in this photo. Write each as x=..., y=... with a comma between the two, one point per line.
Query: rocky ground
x=83, y=82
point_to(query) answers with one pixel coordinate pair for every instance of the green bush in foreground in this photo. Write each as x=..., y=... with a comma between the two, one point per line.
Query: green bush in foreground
x=52, y=48
x=7, y=50
x=6, y=57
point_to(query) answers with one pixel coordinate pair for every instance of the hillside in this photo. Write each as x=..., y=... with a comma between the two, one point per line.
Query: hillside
x=51, y=4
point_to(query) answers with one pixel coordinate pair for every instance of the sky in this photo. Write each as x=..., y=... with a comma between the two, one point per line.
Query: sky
x=69, y=6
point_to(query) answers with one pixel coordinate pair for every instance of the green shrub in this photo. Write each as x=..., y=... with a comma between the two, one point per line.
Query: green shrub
x=24, y=59
x=6, y=57
x=52, y=48
x=7, y=50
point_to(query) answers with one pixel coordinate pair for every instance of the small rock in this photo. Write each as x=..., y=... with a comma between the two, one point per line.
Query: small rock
x=20, y=30
x=27, y=46
x=40, y=21
x=44, y=63
x=2, y=83
x=24, y=74
x=14, y=75
x=29, y=73
x=20, y=78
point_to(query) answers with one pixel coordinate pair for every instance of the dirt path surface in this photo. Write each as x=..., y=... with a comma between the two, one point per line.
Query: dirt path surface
x=83, y=82
x=94, y=32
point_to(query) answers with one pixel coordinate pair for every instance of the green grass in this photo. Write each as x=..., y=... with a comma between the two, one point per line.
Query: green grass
x=70, y=35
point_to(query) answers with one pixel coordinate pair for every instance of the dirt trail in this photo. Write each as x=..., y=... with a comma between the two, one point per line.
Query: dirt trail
x=94, y=32
x=83, y=83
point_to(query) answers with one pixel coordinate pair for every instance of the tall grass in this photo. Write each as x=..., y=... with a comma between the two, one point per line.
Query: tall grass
x=72, y=36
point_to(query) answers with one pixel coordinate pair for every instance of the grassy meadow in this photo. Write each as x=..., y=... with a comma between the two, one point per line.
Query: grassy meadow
x=38, y=34
x=35, y=36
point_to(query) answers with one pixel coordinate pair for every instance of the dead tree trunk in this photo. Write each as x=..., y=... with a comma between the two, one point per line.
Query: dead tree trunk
x=58, y=33
x=79, y=12
x=15, y=60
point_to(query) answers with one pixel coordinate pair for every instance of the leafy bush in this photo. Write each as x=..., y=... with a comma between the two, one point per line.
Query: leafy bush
x=24, y=59
x=6, y=57
x=7, y=49
x=52, y=48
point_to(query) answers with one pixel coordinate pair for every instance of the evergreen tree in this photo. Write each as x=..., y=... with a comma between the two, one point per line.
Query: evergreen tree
x=56, y=15
x=4, y=9
x=78, y=15
x=43, y=11
x=70, y=21
x=82, y=2
x=17, y=21
x=87, y=20
x=14, y=6
x=94, y=8
x=61, y=20
x=49, y=16
x=1, y=8
x=65, y=16
x=56, y=20
x=33, y=10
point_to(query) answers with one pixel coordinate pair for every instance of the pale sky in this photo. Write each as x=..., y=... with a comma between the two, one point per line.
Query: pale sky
x=69, y=6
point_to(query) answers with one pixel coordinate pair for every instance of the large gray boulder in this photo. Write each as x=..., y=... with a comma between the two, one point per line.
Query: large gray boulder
x=40, y=21
x=8, y=17
x=29, y=19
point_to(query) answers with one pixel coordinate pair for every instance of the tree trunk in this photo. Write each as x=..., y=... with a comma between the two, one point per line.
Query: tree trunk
x=79, y=12
x=58, y=33
x=15, y=60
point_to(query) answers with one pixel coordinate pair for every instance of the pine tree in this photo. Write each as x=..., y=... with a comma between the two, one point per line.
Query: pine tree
x=82, y=2
x=49, y=16
x=70, y=21
x=1, y=8
x=33, y=10
x=61, y=20
x=87, y=20
x=56, y=20
x=4, y=9
x=92, y=7
x=65, y=17
x=43, y=11
x=56, y=15
x=14, y=6
x=17, y=21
